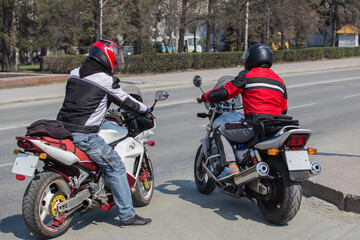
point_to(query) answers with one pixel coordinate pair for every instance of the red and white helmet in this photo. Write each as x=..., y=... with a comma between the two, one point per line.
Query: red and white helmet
x=108, y=54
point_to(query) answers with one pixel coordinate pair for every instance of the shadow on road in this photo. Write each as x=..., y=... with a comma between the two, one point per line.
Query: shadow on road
x=15, y=224
x=225, y=206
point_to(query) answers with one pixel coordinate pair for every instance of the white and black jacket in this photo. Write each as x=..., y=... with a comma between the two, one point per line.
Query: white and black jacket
x=88, y=98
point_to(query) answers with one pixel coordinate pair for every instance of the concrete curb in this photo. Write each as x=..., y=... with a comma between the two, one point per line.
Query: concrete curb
x=344, y=201
x=338, y=182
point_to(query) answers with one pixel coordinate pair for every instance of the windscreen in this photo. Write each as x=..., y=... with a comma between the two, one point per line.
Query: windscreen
x=221, y=82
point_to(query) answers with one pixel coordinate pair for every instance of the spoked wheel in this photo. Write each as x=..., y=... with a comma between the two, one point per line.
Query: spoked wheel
x=46, y=190
x=283, y=201
x=145, y=185
x=204, y=184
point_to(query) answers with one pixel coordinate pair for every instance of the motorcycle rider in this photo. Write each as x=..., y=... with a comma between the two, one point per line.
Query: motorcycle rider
x=263, y=95
x=89, y=91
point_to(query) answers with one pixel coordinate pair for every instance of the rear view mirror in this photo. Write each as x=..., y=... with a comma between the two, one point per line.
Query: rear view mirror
x=197, y=81
x=161, y=95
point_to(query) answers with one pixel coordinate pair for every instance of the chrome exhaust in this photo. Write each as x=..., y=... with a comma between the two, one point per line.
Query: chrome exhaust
x=91, y=203
x=259, y=170
x=315, y=168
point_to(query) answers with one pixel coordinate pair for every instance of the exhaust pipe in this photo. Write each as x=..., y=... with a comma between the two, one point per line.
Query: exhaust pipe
x=315, y=168
x=259, y=170
x=91, y=203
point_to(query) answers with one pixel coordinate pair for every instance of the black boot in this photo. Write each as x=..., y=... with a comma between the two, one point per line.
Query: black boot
x=135, y=221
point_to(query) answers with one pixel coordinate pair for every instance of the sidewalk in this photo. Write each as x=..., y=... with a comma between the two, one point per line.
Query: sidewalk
x=338, y=182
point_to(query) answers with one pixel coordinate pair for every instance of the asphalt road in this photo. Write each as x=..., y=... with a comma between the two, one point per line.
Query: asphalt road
x=326, y=102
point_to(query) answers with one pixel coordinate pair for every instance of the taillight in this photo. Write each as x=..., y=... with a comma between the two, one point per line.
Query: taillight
x=297, y=140
x=20, y=177
x=25, y=144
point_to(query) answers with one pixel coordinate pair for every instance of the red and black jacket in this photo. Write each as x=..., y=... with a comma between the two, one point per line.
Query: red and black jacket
x=262, y=91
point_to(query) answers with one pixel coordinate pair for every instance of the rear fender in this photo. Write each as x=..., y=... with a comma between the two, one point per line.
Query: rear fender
x=279, y=141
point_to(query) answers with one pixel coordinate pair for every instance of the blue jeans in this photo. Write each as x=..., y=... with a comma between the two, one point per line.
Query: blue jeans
x=110, y=162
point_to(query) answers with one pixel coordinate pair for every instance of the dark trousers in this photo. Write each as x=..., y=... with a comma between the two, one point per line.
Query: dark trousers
x=238, y=132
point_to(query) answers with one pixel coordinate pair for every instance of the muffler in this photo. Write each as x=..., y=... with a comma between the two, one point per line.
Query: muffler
x=259, y=170
x=315, y=168
x=91, y=203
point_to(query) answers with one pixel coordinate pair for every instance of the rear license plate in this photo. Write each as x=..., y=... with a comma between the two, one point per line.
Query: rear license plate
x=25, y=164
x=297, y=160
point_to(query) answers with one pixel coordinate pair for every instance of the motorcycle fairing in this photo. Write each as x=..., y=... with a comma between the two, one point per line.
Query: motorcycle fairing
x=129, y=149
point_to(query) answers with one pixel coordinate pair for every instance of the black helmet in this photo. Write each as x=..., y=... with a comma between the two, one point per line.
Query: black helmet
x=107, y=54
x=257, y=55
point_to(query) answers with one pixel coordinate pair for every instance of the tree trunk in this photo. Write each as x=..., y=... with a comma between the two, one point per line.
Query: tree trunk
x=333, y=37
x=97, y=17
x=9, y=50
x=246, y=25
x=209, y=25
x=182, y=25
x=325, y=37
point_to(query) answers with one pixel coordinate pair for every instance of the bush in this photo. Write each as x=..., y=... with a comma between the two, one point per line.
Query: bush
x=152, y=62
x=62, y=64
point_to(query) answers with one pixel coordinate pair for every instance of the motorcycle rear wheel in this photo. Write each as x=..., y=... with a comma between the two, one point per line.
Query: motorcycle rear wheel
x=45, y=191
x=283, y=202
x=204, y=184
x=145, y=184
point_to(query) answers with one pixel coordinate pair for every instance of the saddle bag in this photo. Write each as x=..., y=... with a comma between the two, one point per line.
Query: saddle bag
x=270, y=125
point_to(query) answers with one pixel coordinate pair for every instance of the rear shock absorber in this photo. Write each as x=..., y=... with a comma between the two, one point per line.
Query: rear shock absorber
x=253, y=157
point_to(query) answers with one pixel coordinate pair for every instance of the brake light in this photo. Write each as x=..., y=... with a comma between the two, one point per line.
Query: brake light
x=20, y=177
x=297, y=140
x=150, y=143
x=25, y=144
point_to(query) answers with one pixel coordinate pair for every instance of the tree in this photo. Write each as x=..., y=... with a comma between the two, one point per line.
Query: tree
x=10, y=10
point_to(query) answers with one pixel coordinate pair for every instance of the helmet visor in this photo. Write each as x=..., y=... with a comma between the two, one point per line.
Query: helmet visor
x=119, y=59
x=246, y=55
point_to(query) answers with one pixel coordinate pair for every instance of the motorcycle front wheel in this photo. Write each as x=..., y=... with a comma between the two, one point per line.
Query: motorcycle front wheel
x=283, y=201
x=145, y=184
x=44, y=192
x=204, y=184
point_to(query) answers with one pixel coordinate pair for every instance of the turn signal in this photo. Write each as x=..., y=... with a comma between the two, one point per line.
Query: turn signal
x=16, y=151
x=312, y=151
x=273, y=151
x=42, y=156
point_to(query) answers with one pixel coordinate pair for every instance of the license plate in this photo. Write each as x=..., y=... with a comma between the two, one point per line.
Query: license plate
x=297, y=160
x=25, y=164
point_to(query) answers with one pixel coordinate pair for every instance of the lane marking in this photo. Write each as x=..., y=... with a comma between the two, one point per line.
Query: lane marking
x=350, y=96
x=6, y=164
x=305, y=105
x=12, y=127
x=325, y=82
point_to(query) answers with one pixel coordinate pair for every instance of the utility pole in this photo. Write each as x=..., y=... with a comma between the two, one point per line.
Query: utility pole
x=246, y=25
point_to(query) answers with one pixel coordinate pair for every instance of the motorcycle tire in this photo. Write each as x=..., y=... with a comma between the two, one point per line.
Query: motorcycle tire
x=204, y=184
x=144, y=187
x=42, y=195
x=283, y=201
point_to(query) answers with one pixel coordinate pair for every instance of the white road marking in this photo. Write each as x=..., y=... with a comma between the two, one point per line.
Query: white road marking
x=350, y=96
x=6, y=164
x=306, y=105
x=323, y=82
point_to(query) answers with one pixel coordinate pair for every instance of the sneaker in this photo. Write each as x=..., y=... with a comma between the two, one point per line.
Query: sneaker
x=135, y=221
x=232, y=169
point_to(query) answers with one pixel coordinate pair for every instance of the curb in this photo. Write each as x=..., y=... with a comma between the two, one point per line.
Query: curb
x=31, y=80
x=344, y=201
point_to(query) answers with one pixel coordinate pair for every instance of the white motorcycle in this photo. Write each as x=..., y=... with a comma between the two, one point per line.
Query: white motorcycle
x=65, y=180
x=272, y=164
